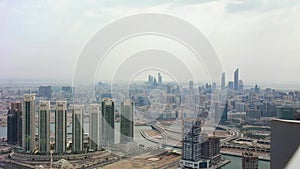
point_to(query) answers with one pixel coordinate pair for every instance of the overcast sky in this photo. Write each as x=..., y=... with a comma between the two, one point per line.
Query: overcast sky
x=42, y=39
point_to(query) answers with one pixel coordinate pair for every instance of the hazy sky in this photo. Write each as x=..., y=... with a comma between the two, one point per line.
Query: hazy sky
x=42, y=39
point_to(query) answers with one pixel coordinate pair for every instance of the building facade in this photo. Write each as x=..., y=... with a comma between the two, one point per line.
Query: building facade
x=14, y=124
x=236, y=79
x=95, y=131
x=60, y=126
x=223, y=81
x=44, y=127
x=77, y=128
x=108, y=122
x=28, y=123
x=127, y=124
x=191, y=151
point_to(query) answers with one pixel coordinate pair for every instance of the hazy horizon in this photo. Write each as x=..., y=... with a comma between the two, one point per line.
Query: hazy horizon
x=43, y=39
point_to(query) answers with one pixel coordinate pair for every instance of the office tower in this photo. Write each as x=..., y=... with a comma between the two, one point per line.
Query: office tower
x=60, y=126
x=44, y=126
x=28, y=123
x=77, y=128
x=95, y=131
x=45, y=91
x=159, y=79
x=236, y=79
x=249, y=160
x=191, y=87
x=127, y=121
x=150, y=79
x=285, y=144
x=224, y=116
x=108, y=122
x=14, y=124
x=191, y=150
x=223, y=81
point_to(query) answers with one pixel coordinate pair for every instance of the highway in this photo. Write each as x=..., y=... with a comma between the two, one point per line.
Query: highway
x=234, y=134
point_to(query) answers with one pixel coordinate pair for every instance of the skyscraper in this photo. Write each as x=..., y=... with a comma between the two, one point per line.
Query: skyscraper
x=95, y=127
x=108, y=122
x=44, y=126
x=225, y=112
x=191, y=150
x=236, y=79
x=127, y=121
x=191, y=87
x=60, y=126
x=77, y=128
x=159, y=79
x=28, y=122
x=14, y=124
x=249, y=160
x=223, y=81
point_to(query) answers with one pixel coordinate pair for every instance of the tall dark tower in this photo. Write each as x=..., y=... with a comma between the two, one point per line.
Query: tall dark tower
x=44, y=127
x=159, y=79
x=236, y=79
x=108, y=122
x=127, y=121
x=223, y=81
x=14, y=124
x=77, y=128
x=61, y=126
x=28, y=123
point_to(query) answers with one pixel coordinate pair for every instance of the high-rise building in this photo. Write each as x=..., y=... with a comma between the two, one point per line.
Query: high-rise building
x=159, y=79
x=249, y=160
x=108, y=122
x=191, y=151
x=127, y=121
x=77, y=128
x=150, y=79
x=223, y=81
x=28, y=123
x=224, y=116
x=236, y=79
x=191, y=87
x=60, y=126
x=14, y=124
x=95, y=131
x=44, y=126
x=45, y=91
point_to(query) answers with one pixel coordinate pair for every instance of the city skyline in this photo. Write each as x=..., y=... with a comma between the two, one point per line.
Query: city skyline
x=197, y=84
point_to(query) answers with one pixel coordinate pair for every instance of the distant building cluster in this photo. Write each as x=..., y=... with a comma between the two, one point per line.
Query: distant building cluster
x=22, y=125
